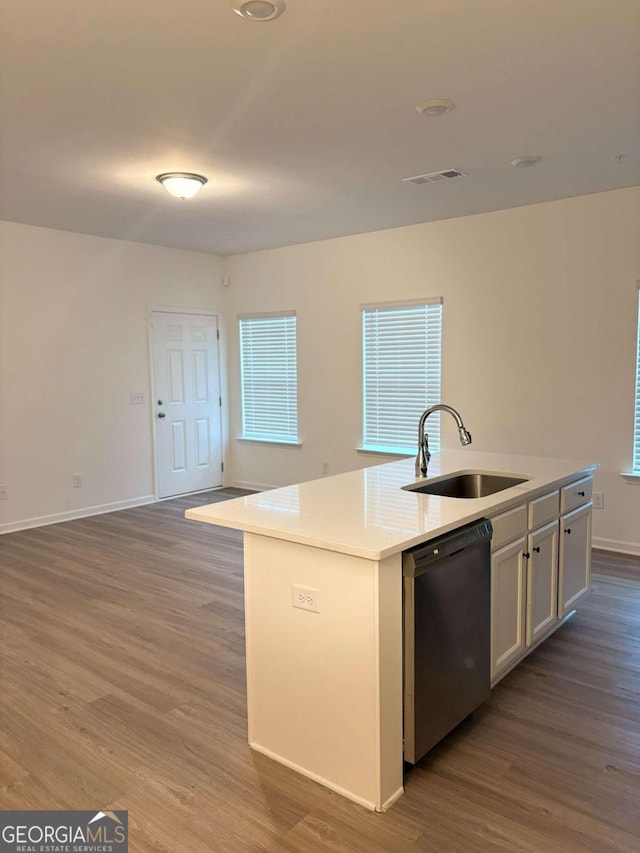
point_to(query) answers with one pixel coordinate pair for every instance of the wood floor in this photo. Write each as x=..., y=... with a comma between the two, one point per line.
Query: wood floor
x=122, y=687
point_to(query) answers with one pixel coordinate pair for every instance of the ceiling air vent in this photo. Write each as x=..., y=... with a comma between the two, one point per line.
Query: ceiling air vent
x=432, y=177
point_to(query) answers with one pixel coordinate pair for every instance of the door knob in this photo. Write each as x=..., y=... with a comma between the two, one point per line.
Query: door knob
x=161, y=415
x=567, y=530
x=159, y=402
x=537, y=549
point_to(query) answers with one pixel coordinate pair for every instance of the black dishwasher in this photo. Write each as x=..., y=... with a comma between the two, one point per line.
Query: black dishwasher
x=447, y=634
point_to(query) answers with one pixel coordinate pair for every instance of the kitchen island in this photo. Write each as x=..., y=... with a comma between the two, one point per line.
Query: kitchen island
x=323, y=600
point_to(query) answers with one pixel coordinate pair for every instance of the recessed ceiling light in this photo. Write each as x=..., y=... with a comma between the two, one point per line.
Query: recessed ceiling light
x=526, y=162
x=258, y=10
x=435, y=107
x=181, y=185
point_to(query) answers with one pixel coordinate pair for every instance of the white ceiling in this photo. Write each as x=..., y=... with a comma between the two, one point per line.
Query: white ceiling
x=306, y=125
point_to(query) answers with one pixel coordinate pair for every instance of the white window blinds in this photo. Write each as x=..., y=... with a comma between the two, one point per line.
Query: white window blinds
x=269, y=377
x=636, y=421
x=402, y=364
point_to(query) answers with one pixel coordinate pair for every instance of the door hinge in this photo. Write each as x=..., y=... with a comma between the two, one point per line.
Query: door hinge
x=218, y=334
x=222, y=466
x=219, y=401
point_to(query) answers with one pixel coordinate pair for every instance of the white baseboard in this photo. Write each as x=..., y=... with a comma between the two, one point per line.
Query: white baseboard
x=254, y=487
x=71, y=515
x=617, y=545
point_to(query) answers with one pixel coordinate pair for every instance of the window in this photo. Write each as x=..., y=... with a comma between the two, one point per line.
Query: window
x=269, y=381
x=402, y=347
x=636, y=420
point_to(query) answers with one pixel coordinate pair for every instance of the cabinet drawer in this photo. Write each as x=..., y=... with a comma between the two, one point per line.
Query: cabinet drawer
x=508, y=526
x=576, y=494
x=543, y=509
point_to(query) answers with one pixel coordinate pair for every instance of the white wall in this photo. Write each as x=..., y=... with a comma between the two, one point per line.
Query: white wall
x=73, y=345
x=540, y=311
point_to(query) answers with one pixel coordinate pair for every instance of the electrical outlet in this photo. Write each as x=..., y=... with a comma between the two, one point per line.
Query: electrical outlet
x=325, y=467
x=598, y=500
x=137, y=398
x=4, y=493
x=306, y=598
x=77, y=480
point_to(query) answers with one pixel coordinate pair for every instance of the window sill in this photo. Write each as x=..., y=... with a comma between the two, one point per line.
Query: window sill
x=634, y=479
x=377, y=451
x=279, y=441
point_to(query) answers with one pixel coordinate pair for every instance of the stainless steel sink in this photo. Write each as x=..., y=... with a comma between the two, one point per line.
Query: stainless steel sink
x=475, y=484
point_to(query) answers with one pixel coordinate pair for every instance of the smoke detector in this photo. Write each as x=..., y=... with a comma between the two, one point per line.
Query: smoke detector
x=258, y=10
x=526, y=162
x=435, y=107
x=434, y=177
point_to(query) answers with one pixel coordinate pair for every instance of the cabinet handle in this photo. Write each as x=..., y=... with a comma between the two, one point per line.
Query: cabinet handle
x=537, y=549
x=567, y=530
x=526, y=555
x=582, y=494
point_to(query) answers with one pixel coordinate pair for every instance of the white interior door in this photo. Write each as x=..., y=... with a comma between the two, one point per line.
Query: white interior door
x=186, y=407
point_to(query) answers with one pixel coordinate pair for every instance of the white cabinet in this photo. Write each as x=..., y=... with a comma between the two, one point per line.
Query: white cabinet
x=540, y=569
x=542, y=581
x=575, y=558
x=576, y=494
x=508, y=605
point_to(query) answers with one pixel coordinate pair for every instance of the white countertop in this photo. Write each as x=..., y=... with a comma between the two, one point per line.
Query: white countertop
x=366, y=513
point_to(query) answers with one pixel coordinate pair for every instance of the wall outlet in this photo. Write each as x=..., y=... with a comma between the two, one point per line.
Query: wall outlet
x=4, y=493
x=77, y=480
x=137, y=398
x=325, y=467
x=598, y=500
x=306, y=598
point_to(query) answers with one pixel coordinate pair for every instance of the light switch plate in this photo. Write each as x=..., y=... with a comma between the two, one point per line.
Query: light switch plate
x=137, y=398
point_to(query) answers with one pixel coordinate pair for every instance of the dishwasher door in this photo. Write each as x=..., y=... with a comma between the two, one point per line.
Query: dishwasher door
x=447, y=634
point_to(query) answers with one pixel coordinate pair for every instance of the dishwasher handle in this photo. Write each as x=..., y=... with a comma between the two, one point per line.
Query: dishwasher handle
x=417, y=560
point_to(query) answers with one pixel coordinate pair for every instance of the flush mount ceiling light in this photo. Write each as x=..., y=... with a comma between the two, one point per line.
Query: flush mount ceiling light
x=526, y=162
x=435, y=107
x=182, y=185
x=258, y=10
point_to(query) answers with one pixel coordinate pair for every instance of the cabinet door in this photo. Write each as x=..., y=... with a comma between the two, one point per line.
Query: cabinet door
x=542, y=581
x=575, y=558
x=508, y=605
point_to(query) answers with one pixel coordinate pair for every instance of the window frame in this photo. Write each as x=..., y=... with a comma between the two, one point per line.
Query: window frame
x=431, y=396
x=635, y=465
x=256, y=427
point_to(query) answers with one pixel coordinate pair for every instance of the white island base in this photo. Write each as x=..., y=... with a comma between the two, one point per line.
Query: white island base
x=325, y=689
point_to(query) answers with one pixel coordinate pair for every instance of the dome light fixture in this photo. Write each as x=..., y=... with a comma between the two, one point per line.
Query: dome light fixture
x=435, y=107
x=258, y=10
x=181, y=185
x=527, y=161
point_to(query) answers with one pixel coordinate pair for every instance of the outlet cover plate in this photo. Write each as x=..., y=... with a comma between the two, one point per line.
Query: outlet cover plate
x=305, y=598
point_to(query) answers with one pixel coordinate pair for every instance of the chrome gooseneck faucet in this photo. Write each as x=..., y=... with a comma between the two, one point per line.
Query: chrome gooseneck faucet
x=423, y=457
